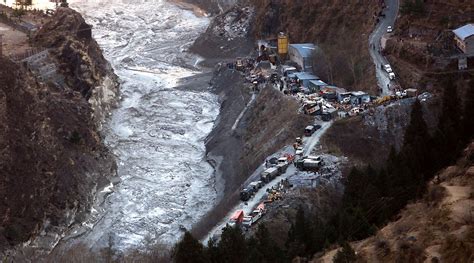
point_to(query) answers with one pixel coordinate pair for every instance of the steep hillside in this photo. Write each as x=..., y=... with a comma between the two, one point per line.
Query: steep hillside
x=367, y=139
x=238, y=146
x=438, y=228
x=340, y=28
x=53, y=160
x=422, y=47
x=79, y=59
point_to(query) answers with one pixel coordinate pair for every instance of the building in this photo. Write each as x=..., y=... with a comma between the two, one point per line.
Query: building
x=331, y=92
x=303, y=78
x=359, y=97
x=316, y=85
x=464, y=37
x=302, y=54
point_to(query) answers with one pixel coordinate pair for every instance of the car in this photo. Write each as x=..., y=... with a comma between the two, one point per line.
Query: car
x=299, y=151
x=309, y=130
x=387, y=68
x=391, y=76
x=389, y=29
x=317, y=127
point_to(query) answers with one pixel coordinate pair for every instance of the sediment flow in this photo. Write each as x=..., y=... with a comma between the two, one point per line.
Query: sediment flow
x=157, y=132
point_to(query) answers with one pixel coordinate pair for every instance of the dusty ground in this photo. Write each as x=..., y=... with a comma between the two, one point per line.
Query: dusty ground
x=14, y=42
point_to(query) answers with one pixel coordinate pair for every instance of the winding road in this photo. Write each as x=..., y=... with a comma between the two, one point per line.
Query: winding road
x=391, y=13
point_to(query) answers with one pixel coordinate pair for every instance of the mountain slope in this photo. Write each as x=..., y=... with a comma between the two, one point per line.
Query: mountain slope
x=437, y=228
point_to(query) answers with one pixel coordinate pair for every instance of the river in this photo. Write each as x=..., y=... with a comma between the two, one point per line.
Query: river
x=157, y=132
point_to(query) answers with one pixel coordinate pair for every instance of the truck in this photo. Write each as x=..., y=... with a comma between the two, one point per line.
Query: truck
x=288, y=70
x=308, y=164
x=387, y=68
x=269, y=174
x=299, y=150
x=309, y=130
x=237, y=218
x=282, y=167
x=245, y=194
x=248, y=221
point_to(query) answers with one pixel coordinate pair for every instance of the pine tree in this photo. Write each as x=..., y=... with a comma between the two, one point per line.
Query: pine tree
x=212, y=251
x=265, y=244
x=415, y=156
x=448, y=130
x=467, y=123
x=345, y=255
x=189, y=249
x=232, y=247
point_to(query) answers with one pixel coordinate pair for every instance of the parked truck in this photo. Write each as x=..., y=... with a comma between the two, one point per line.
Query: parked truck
x=269, y=174
x=308, y=164
x=245, y=194
x=237, y=218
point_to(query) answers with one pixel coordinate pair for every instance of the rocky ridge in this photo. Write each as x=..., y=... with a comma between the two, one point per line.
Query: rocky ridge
x=53, y=159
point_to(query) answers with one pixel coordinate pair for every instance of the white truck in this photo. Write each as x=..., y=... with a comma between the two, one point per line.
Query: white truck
x=252, y=218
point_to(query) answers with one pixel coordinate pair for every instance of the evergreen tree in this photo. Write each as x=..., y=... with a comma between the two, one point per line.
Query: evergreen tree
x=299, y=236
x=267, y=246
x=232, y=247
x=212, y=251
x=447, y=137
x=467, y=123
x=254, y=253
x=188, y=250
x=415, y=153
x=345, y=255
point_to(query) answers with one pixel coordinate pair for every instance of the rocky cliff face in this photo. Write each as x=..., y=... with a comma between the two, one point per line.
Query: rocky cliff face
x=52, y=159
x=80, y=60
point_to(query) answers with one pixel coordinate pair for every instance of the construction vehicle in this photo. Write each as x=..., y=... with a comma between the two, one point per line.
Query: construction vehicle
x=239, y=64
x=237, y=218
x=382, y=100
x=269, y=174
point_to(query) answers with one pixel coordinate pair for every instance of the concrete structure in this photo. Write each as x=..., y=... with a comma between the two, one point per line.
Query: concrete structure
x=304, y=78
x=302, y=54
x=331, y=92
x=316, y=85
x=359, y=97
x=464, y=37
